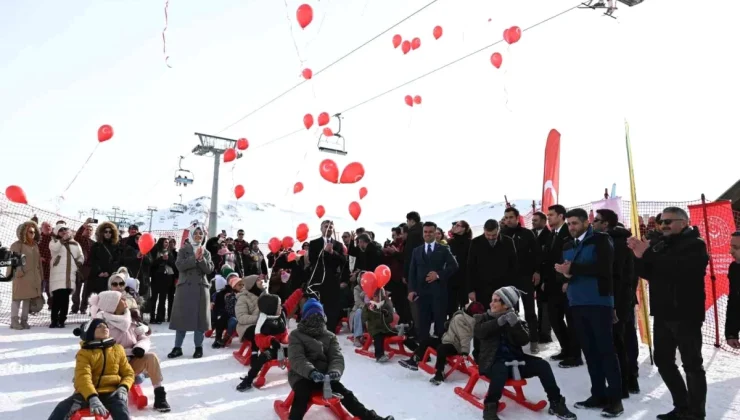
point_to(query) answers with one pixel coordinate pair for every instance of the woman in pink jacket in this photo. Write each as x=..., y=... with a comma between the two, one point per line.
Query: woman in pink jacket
x=111, y=307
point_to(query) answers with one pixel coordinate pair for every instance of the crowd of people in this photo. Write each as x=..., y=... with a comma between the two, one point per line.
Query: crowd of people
x=487, y=297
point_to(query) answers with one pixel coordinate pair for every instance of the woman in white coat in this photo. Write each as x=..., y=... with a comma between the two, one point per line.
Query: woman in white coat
x=66, y=260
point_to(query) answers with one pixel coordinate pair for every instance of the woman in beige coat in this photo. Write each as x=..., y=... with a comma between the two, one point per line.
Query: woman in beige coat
x=246, y=309
x=26, y=279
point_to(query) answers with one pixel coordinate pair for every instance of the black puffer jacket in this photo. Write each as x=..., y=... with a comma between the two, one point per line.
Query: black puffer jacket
x=491, y=335
x=675, y=267
x=623, y=274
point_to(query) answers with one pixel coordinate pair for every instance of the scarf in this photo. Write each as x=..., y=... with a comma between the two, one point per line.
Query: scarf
x=167, y=269
x=313, y=326
x=68, y=273
x=119, y=322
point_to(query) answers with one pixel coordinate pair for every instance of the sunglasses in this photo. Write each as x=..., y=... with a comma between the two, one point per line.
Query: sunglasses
x=116, y=284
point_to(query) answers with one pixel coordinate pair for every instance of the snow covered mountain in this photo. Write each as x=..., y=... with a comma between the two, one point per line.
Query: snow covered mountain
x=262, y=221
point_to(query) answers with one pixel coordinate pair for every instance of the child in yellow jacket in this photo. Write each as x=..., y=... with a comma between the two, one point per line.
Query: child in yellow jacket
x=103, y=375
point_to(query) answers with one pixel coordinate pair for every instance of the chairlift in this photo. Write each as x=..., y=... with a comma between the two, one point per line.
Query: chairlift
x=178, y=207
x=161, y=219
x=183, y=176
x=174, y=224
x=334, y=144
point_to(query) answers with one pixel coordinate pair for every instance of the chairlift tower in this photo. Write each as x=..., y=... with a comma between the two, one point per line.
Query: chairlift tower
x=215, y=146
x=151, y=211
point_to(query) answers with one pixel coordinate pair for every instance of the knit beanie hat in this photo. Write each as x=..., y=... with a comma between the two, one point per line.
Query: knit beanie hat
x=220, y=282
x=268, y=304
x=226, y=270
x=86, y=331
x=312, y=306
x=234, y=280
x=105, y=301
x=250, y=281
x=509, y=295
x=474, y=308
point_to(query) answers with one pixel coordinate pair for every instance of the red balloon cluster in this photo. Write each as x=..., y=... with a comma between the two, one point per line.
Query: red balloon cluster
x=16, y=194
x=411, y=100
x=512, y=35
x=239, y=191
x=105, y=133
x=242, y=144
x=307, y=74
x=304, y=15
x=371, y=282
x=415, y=43
x=352, y=173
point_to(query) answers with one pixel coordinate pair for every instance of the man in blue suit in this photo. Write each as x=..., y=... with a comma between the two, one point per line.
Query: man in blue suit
x=431, y=267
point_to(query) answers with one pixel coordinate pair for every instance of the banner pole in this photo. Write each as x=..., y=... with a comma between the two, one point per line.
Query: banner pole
x=711, y=270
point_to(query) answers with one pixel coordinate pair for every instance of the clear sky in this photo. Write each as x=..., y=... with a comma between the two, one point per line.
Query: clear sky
x=669, y=67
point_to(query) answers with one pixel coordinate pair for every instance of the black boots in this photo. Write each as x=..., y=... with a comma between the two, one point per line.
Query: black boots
x=175, y=353
x=160, y=400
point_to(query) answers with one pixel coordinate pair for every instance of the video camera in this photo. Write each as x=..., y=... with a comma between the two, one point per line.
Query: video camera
x=10, y=259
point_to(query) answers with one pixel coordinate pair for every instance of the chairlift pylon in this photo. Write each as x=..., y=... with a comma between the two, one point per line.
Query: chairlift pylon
x=336, y=147
x=183, y=176
x=178, y=207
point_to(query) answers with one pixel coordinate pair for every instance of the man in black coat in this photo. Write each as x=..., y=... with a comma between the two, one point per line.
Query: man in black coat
x=674, y=266
x=732, y=322
x=542, y=233
x=430, y=267
x=327, y=259
x=492, y=264
x=557, y=300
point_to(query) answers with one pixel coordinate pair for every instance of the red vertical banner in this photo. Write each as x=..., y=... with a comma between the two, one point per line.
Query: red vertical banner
x=551, y=176
x=720, y=223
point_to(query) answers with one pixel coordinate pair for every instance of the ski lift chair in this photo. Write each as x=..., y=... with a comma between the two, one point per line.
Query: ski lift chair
x=335, y=143
x=183, y=176
x=178, y=207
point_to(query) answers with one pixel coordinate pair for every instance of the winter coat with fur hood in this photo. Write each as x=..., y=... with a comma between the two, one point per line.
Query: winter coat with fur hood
x=27, y=279
x=247, y=311
x=105, y=256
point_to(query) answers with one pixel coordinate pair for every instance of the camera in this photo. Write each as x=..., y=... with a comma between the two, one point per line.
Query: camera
x=94, y=221
x=11, y=259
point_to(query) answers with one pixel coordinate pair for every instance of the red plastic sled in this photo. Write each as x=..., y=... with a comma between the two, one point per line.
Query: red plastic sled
x=208, y=333
x=282, y=408
x=457, y=363
x=517, y=395
x=260, y=380
x=244, y=354
x=137, y=398
x=85, y=414
x=341, y=323
x=393, y=346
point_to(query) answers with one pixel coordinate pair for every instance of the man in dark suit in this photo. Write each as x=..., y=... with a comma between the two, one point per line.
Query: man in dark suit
x=540, y=230
x=557, y=301
x=430, y=268
x=326, y=255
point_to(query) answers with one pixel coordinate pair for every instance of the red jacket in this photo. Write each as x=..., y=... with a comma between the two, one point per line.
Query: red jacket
x=269, y=327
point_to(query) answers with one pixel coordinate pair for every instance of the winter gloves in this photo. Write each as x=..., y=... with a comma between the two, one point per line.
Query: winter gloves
x=138, y=352
x=122, y=393
x=96, y=407
x=509, y=317
x=317, y=376
x=334, y=375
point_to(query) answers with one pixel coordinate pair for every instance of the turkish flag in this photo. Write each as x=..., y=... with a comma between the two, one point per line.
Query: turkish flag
x=551, y=177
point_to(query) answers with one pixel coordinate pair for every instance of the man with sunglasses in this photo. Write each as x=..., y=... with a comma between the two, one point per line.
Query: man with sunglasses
x=674, y=266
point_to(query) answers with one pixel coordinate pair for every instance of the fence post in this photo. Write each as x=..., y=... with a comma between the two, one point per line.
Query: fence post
x=712, y=276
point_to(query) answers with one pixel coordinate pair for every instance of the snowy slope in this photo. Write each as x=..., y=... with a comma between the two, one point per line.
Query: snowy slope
x=36, y=369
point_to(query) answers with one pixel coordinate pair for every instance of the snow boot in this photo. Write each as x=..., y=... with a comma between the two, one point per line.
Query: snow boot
x=674, y=414
x=592, y=403
x=245, y=385
x=613, y=409
x=198, y=353
x=160, y=400
x=412, y=363
x=24, y=324
x=438, y=378
x=559, y=409
x=217, y=344
x=175, y=353
x=15, y=324
x=382, y=359
x=490, y=411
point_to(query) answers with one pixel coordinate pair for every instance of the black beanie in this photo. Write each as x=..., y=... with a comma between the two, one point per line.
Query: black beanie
x=268, y=304
x=86, y=331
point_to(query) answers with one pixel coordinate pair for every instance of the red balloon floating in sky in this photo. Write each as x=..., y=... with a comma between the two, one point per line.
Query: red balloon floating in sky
x=308, y=121
x=298, y=187
x=352, y=173
x=512, y=35
x=239, y=191
x=406, y=47
x=415, y=43
x=242, y=144
x=417, y=100
x=301, y=232
x=397, y=40
x=409, y=100
x=496, y=60
x=327, y=132
x=229, y=155
x=355, y=210
x=105, y=132
x=16, y=194
x=304, y=14
x=329, y=171
x=363, y=192
x=320, y=211
x=323, y=119
x=437, y=32
x=307, y=74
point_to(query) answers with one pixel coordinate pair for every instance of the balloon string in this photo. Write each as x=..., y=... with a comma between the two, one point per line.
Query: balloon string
x=292, y=35
x=164, y=39
x=80, y=170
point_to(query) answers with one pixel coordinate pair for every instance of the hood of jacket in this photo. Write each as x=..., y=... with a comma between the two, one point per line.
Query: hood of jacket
x=23, y=228
x=619, y=233
x=115, y=237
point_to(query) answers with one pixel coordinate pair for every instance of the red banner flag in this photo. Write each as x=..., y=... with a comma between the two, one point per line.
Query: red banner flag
x=551, y=177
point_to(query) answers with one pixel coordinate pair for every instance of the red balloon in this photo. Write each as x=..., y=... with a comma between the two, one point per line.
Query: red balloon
x=437, y=32
x=406, y=47
x=363, y=192
x=383, y=275
x=415, y=43
x=105, y=132
x=298, y=187
x=352, y=173
x=417, y=100
x=239, y=191
x=323, y=119
x=146, y=243
x=397, y=41
x=291, y=257
x=274, y=245
x=307, y=74
x=288, y=242
x=308, y=121
x=229, y=155
x=320, y=211
x=512, y=35
x=16, y=194
x=301, y=232
x=329, y=171
x=327, y=132
x=242, y=144
x=304, y=14
x=355, y=210
x=409, y=100
x=369, y=284
x=496, y=60
x=301, y=252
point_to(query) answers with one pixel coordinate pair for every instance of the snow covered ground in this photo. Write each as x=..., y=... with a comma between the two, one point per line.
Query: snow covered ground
x=36, y=369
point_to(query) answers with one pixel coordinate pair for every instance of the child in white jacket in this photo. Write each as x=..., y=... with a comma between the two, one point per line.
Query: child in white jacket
x=112, y=307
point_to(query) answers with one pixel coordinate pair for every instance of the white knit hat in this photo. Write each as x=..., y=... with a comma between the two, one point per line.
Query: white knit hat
x=58, y=227
x=105, y=301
